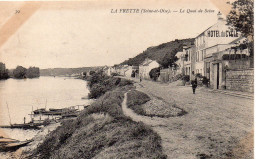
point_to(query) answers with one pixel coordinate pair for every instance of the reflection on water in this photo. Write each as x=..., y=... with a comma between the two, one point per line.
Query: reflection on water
x=22, y=96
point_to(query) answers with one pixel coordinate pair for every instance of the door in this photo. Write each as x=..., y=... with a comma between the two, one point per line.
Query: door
x=216, y=76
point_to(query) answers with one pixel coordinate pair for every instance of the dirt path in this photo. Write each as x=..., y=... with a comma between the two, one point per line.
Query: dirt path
x=161, y=127
x=216, y=126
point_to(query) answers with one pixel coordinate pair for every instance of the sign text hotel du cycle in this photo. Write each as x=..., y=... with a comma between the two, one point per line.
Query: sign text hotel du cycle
x=165, y=11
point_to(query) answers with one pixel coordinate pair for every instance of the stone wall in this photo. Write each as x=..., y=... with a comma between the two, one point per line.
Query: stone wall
x=240, y=80
x=165, y=75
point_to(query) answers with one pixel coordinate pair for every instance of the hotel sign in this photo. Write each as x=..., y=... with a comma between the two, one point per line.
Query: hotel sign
x=217, y=33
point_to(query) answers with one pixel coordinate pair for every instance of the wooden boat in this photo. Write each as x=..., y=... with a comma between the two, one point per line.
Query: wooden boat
x=59, y=111
x=4, y=140
x=39, y=111
x=70, y=115
x=52, y=113
x=55, y=110
x=12, y=145
x=22, y=126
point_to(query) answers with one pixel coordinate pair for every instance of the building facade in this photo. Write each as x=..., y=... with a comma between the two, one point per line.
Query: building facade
x=211, y=47
x=146, y=66
x=190, y=59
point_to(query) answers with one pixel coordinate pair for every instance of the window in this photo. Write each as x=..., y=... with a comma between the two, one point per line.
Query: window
x=202, y=55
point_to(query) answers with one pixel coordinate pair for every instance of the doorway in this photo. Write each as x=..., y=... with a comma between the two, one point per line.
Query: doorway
x=216, y=76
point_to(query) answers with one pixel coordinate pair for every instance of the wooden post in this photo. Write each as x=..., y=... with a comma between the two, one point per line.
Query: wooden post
x=9, y=114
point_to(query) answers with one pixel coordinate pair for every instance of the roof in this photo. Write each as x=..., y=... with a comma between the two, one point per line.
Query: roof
x=234, y=41
x=208, y=28
x=147, y=61
x=146, y=64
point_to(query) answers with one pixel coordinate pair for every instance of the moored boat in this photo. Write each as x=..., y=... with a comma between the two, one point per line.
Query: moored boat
x=12, y=145
x=39, y=111
x=22, y=126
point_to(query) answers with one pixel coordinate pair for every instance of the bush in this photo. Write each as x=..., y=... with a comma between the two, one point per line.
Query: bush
x=154, y=73
x=94, y=137
x=114, y=74
x=99, y=84
x=234, y=56
x=177, y=77
x=198, y=75
x=91, y=72
x=186, y=78
x=135, y=99
x=205, y=80
x=133, y=73
x=125, y=82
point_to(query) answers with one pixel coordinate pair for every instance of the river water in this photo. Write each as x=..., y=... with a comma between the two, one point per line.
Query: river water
x=21, y=96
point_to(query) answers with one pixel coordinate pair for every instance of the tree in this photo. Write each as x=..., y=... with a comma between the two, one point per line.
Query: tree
x=19, y=72
x=91, y=72
x=33, y=72
x=154, y=73
x=3, y=71
x=241, y=17
x=169, y=59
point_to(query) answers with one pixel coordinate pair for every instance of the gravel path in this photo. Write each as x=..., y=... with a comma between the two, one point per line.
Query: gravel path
x=216, y=126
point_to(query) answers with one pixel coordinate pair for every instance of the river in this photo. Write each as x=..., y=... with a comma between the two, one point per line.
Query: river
x=21, y=96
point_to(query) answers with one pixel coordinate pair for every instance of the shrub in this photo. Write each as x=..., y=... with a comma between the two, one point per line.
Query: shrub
x=88, y=136
x=114, y=74
x=125, y=82
x=177, y=77
x=186, y=78
x=234, y=56
x=135, y=99
x=91, y=72
x=133, y=73
x=154, y=73
x=99, y=84
x=205, y=80
x=199, y=75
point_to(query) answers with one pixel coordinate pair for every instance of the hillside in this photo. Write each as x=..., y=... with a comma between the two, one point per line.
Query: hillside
x=66, y=71
x=160, y=52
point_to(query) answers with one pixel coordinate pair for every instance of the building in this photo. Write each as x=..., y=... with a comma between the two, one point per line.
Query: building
x=146, y=66
x=212, y=46
x=190, y=59
x=109, y=70
x=180, y=62
x=212, y=40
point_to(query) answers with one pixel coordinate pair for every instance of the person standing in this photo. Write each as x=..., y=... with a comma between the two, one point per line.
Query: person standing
x=194, y=82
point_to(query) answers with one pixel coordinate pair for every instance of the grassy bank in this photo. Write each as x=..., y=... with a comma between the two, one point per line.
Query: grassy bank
x=142, y=104
x=102, y=131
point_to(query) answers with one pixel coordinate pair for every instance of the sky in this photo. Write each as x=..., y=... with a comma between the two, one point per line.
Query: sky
x=82, y=34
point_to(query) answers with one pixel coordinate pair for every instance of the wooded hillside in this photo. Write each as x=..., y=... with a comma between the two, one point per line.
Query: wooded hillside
x=160, y=53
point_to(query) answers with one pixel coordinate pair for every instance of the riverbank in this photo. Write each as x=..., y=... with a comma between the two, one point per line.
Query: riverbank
x=102, y=130
x=37, y=139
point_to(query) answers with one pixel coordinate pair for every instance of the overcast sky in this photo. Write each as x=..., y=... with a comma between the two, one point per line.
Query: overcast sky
x=82, y=34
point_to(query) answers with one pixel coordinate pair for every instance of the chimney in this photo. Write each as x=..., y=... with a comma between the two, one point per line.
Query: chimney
x=220, y=17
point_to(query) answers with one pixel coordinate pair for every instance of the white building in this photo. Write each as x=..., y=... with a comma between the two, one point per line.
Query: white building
x=146, y=66
x=211, y=45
